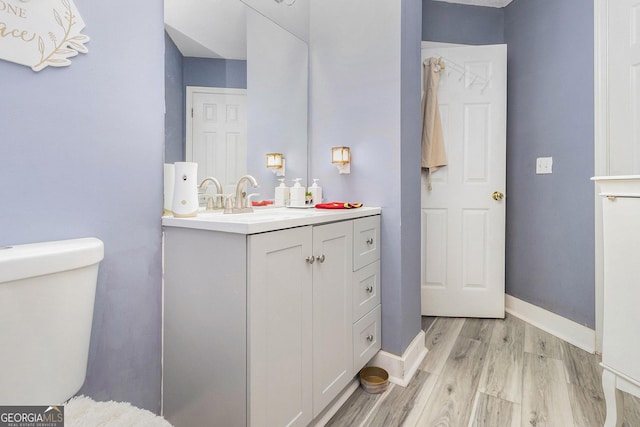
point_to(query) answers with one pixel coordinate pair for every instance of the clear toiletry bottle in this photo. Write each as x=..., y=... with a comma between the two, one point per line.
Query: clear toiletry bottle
x=296, y=194
x=316, y=192
x=282, y=194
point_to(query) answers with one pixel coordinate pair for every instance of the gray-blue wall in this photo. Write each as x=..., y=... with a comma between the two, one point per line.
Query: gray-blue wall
x=81, y=151
x=174, y=118
x=458, y=23
x=550, y=218
x=410, y=169
x=229, y=73
x=365, y=93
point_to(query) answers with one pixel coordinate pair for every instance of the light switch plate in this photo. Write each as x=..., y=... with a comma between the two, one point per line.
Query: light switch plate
x=544, y=165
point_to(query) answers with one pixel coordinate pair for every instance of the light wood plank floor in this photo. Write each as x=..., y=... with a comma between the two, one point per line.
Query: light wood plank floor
x=491, y=373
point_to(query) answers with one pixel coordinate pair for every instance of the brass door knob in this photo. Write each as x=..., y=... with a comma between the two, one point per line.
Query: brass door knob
x=497, y=195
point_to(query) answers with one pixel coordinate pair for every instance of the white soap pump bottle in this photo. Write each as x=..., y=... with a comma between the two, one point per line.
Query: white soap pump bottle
x=316, y=192
x=282, y=194
x=297, y=194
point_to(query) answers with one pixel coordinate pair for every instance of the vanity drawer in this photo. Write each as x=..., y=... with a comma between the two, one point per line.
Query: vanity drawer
x=366, y=241
x=366, y=289
x=366, y=338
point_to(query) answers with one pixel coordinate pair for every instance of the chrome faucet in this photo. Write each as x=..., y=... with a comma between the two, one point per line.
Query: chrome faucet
x=242, y=204
x=214, y=202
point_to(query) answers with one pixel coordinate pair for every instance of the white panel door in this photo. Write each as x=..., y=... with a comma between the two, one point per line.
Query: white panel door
x=217, y=133
x=463, y=226
x=624, y=86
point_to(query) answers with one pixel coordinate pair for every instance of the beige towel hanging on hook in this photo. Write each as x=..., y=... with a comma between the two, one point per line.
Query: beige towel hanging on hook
x=433, y=152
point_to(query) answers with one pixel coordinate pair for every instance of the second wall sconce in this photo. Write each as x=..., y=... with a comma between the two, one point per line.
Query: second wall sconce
x=275, y=162
x=341, y=157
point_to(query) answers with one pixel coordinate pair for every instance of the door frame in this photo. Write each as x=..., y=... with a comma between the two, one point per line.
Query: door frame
x=190, y=91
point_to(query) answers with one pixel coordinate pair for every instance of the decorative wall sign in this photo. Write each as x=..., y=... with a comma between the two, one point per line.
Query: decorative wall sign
x=40, y=33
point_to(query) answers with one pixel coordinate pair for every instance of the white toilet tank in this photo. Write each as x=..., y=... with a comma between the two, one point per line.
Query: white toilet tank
x=47, y=291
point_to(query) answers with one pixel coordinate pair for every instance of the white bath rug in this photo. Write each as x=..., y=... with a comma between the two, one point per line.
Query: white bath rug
x=82, y=411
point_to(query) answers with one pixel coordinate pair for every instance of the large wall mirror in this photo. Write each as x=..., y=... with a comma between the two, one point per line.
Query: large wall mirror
x=237, y=88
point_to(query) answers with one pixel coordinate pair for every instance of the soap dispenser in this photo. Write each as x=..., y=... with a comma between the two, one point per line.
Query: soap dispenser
x=297, y=193
x=185, y=190
x=316, y=192
x=282, y=194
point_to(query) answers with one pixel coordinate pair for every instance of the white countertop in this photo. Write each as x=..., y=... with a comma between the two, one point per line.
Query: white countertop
x=619, y=186
x=266, y=219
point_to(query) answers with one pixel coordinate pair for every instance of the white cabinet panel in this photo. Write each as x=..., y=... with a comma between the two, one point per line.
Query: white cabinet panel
x=621, y=347
x=205, y=342
x=280, y=332
x=366, y=338
x=332, y=274
x=366, y=289
x=621, y=237
x=366, y=241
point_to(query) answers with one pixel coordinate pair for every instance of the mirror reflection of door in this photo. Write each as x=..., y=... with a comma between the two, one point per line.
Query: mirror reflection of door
x=217, y=133
x=208, y=46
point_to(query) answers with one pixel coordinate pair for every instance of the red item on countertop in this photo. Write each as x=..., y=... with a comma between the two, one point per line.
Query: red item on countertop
x=339, y=205
x=261, y=202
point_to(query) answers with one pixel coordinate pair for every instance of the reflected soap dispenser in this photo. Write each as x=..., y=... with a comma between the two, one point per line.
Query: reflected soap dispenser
x=282, y=194
x=316, y=192
x=297, y=193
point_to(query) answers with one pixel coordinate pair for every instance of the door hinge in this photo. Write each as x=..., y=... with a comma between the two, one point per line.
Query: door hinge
x=192, y=113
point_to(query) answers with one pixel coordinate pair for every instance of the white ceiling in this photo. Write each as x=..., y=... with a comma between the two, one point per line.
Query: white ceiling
x=216, y=28
x=207, y=29
x=487, y=3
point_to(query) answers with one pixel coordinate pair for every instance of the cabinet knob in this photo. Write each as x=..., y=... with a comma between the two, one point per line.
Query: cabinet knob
x=370, y=241
x=321, y=259
x=370, y=338
x=370, y=289
x=310, y=259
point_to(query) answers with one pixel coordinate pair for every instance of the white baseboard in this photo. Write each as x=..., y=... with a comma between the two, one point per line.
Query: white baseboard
x=568, y=330
x=402, y=368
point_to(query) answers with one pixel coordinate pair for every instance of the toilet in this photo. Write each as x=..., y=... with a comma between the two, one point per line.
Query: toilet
x=47, y=291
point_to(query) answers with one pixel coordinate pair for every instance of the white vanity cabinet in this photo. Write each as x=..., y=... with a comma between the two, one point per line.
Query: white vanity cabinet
x=260, y=329
x=621, y=249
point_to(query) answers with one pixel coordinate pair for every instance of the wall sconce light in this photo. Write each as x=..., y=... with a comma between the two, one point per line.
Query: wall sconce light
x=275, y=162
x=341, y=157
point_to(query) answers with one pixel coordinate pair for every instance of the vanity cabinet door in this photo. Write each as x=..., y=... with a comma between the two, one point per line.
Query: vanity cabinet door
x=332, y=307
x=621, y=347
x=280, y=329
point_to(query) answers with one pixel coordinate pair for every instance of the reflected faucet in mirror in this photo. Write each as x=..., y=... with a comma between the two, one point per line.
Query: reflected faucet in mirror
x=213, y=202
